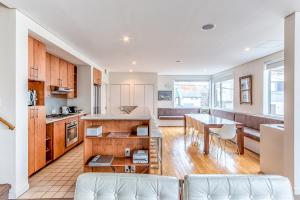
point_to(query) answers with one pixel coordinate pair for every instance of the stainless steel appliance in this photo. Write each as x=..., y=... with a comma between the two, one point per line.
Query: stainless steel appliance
x=71, y=132
x=32, y=97
x=97, y=99
x=73, y=109
x=65, y=110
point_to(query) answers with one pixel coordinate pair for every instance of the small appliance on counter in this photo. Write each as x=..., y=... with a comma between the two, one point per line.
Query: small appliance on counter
x=32, y=97
x=65, y=110
x=94, y=131
x=74, y=109
x=140, y=157
x=142, y=130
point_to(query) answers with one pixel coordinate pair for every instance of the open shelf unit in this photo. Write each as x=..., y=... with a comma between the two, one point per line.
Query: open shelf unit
x=116, y=146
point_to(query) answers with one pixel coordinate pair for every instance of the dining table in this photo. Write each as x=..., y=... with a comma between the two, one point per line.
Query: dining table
x=209, y=121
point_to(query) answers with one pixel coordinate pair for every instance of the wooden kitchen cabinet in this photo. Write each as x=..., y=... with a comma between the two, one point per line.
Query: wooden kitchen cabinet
x=71, y=72
x=58, y=138
x=63, y=73
x=36, y=60
x=54, y=71
x=36, y=138
x=97, y=76
x=48, y=75
x=80, y=129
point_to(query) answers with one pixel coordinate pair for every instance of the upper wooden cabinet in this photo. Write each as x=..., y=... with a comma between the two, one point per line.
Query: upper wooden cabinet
x=63, y=73
x=54, y=71
x=48, y=75
x=36, y=60
x=97, y=76
x=71, y=73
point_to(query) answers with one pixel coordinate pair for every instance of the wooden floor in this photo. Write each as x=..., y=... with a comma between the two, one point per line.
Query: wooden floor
x=179, y=161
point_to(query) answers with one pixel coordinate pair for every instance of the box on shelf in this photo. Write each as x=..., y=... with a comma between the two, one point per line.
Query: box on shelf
x=140, y=156
x=94, y=131
x=142, y=130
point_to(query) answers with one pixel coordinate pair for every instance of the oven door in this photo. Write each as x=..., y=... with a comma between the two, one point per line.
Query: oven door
x=71, y=133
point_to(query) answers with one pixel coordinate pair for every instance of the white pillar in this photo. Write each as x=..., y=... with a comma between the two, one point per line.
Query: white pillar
x=292, y=99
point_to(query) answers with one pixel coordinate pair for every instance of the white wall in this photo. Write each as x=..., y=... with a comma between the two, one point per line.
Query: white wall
x=256, y=69
x=166, y=82
x=13, y=101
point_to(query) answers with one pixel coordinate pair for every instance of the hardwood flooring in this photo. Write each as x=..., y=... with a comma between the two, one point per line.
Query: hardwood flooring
x=179, y=160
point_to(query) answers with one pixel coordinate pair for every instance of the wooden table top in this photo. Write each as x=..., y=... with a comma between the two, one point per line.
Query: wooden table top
x=207, y=119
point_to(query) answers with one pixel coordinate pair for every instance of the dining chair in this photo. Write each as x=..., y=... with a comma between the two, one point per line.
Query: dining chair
x=226, y=133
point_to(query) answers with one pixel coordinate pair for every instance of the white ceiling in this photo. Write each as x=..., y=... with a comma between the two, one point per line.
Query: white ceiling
x=163, y=31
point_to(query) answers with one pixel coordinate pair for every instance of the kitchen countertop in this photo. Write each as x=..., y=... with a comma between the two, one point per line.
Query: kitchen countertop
x=50, y=120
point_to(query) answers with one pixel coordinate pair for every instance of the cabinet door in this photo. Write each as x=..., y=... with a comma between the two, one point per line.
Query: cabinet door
x=54, y=71
x=30, y=58
x=115, y=99
x=139, y=95
x=40, y=60
x=48, y=75
x=63, y=73
x=80, y=130
x=58, y=139
x=125, y=95
x=40, y=137
x=31, y=143
x=149, y=98
x=71, y=72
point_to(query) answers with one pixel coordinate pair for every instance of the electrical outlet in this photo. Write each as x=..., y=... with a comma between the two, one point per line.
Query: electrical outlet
x=132, y=169
x=127, y=152
x=127, y=169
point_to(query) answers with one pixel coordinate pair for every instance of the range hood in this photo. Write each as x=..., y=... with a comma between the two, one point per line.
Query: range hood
x=60, y=90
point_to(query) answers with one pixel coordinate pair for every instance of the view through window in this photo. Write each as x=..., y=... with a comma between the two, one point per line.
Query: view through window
x=223, y=97
x=190, y=94
x=275, y=73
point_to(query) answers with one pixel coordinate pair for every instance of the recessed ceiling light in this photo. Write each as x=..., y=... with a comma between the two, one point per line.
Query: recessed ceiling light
x=178, y=61
x=130, y=70
x=126, y=39
x=134, y=62
x=247, y=49
x=207, y=27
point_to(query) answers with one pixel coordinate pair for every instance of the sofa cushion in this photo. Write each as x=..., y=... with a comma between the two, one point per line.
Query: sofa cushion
x=171, y=117
x=223, y=114
x=254, y=121
x=167, y=113
x=108, y=186
x=252, y=134
x=234, y=187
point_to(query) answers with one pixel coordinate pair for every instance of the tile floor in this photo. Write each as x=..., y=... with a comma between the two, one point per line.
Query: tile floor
x=57, y=180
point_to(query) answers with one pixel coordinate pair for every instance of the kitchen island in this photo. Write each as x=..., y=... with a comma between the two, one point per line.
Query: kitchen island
x=120, y=140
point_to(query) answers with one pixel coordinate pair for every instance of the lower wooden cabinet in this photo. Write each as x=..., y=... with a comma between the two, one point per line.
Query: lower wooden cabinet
x=80, y=130
x=36, y=138
x=59, y=138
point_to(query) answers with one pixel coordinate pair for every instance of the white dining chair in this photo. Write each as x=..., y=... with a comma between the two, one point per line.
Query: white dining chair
x=226, y=133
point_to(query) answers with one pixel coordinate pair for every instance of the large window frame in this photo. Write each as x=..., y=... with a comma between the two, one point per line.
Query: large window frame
x=219, y=93
x=192, y=83
x=271, y=88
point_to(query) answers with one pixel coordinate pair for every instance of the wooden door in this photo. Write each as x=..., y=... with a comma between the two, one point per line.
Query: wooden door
x=40, y=137
x=48, y=75
x=58, y=139
x=31, y=142
x=54, y=72
x=40, y=60
x=71, y=72
x=30, y=58
x=63, y=73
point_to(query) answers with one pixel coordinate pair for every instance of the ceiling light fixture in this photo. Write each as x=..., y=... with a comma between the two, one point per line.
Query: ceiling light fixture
x=134, y=62
x=208, y=27
x=130, y=70
x=126, y=39
x=247, y=49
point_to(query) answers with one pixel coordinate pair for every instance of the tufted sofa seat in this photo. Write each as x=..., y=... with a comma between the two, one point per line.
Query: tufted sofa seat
x=236, y=187
x=108, y=186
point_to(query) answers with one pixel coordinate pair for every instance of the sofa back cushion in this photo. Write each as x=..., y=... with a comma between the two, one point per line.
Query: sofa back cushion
x=234, y=187
x=253, y=121
x=176, y=111
x=108, y=186
x=223, y=114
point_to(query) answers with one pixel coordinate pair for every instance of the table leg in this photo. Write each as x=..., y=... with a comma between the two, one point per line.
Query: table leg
x=240, y=140
x=206, y=140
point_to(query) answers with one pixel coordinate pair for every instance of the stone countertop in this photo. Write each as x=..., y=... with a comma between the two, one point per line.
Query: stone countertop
x=50, y=120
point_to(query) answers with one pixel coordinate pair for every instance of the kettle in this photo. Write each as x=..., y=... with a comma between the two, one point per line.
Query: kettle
x=65, y=110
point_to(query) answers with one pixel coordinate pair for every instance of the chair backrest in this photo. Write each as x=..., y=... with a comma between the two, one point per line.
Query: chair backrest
x=228, y=131
x=99, y=186
x=200, y=127
x=234, y=187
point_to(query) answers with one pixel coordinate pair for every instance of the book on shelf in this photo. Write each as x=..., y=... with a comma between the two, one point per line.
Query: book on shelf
x=101, y=161
x=119, y=134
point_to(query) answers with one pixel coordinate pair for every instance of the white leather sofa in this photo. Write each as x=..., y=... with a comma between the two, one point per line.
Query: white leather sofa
x=107, y=186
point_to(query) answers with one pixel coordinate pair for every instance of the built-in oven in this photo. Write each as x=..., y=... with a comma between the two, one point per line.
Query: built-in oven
x=71, y=132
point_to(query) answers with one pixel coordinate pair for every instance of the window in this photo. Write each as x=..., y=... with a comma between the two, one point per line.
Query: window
x=223, y=95
x=191, y=94
x=275, y=87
